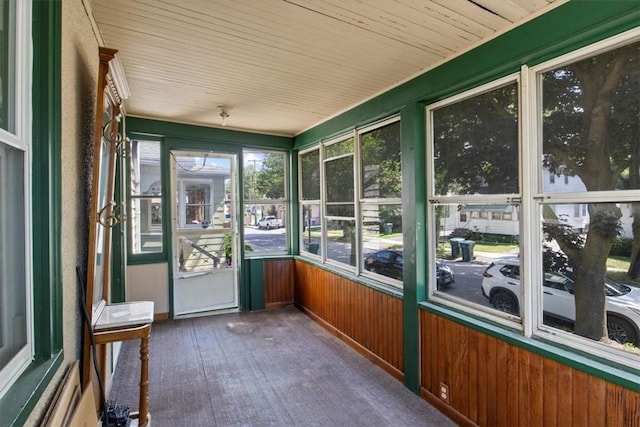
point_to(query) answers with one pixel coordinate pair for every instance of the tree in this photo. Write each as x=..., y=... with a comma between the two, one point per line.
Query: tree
x=591, y=129
x=270, y=178
x=590, y=120
x=476, y=144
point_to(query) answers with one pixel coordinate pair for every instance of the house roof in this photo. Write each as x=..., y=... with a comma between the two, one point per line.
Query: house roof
x=283, y=66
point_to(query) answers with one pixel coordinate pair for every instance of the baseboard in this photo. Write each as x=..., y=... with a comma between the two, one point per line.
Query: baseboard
x=368, y=354
x=273, y=305
x=157, y=317
x=447, y=410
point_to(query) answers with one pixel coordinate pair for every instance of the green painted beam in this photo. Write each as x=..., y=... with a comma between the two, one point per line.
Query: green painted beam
x=256, y=276
x=141, y=127
x=414, y=236
x=46, y=178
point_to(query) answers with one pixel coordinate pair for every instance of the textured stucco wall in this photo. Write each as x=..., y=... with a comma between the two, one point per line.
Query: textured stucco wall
x=79, y=80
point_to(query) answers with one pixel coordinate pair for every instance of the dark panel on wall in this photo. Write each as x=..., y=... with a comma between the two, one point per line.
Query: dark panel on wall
x=493, y=383
x=278, y=283
x=368, y=320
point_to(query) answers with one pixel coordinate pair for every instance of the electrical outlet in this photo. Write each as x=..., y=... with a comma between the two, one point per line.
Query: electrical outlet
x=444, y=392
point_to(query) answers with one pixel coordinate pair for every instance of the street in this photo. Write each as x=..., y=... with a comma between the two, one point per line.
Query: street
x=468, y=284
x=468, y=275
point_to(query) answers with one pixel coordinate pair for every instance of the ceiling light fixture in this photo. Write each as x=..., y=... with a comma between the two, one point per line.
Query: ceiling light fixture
x=224, y=113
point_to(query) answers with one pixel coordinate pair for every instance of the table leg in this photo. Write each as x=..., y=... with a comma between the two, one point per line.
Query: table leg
x=144, y=379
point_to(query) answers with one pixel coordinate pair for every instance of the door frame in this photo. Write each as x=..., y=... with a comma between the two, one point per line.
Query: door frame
x=181, y=144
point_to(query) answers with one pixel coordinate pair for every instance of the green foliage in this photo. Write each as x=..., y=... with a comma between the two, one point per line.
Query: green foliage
x=494, y=238
x=270, y=178
x=622, y=247
x=476, y=144
x=381, y=172
x=464, y=233
x=391, y=215
x=310, y=172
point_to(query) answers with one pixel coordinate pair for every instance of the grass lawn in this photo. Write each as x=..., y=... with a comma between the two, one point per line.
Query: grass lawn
x=444, y=249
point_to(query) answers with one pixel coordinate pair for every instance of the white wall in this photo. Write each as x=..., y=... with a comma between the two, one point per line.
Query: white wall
x=149, y=282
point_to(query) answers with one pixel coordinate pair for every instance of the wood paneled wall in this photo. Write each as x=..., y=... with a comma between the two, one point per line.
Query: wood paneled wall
x=368, y=320
x=278, y=283
x=493, y=383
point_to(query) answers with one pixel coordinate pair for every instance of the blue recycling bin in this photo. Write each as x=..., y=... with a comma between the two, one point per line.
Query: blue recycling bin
x=455, y=246
x=466, y=247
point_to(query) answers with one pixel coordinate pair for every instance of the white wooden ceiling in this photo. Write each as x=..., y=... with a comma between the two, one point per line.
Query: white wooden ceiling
x=283, y=66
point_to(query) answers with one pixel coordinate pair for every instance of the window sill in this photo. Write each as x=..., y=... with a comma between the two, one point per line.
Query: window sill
x=17, y=404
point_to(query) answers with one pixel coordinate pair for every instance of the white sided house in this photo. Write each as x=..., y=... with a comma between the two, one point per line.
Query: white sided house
x=504, y=218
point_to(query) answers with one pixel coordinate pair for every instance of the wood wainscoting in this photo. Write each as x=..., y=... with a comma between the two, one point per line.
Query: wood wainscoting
x=278, y=283
x=370, y=321
x=493, y=383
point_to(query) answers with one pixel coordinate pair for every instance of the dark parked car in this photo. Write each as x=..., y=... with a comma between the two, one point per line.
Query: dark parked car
x=388, y=262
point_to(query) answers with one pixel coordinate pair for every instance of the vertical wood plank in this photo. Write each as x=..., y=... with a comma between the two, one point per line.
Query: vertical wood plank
x=631, y=414
x=550, y=396
x=580, y=403
x=536, y=391
x=482, y=368
x=523, y=386
x=472, y=375
x=597, y=400
x=495, y=383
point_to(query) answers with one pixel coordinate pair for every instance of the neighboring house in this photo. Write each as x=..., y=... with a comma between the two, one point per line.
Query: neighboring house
x=503, y=218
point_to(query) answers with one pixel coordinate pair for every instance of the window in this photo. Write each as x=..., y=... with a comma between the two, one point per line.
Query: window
x=474, y=150
x=16, y=347
x=339, y=202
x=351, y=207
x=311, y=217
x=588, y=111
x=380, y=197
x=265, y=202
x=569, y=286
x=145, y=197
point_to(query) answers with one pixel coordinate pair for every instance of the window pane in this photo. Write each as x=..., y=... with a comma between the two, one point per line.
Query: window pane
x=265, y=205
x=586, y=277
x=382, y=239
x=475, y=144
x=310, y=175
x=470, y=255
x=339, y=148
x=590, y=120
x=264, y=175
x=145, y=168
x=7, y=60
x=147, y=225
x=197, y=203
x=311, y=229
x=341, y=236
x=266, y=227
x=380, y=162
x=145, y=207
x=339, y=179
x=344, y=210
x=13, y=303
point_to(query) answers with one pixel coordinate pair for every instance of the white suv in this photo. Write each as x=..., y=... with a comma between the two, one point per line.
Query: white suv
x=501, y=285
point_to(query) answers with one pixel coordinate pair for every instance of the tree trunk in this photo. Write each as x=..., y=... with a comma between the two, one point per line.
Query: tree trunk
x=634, y=267
x=591, y=270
